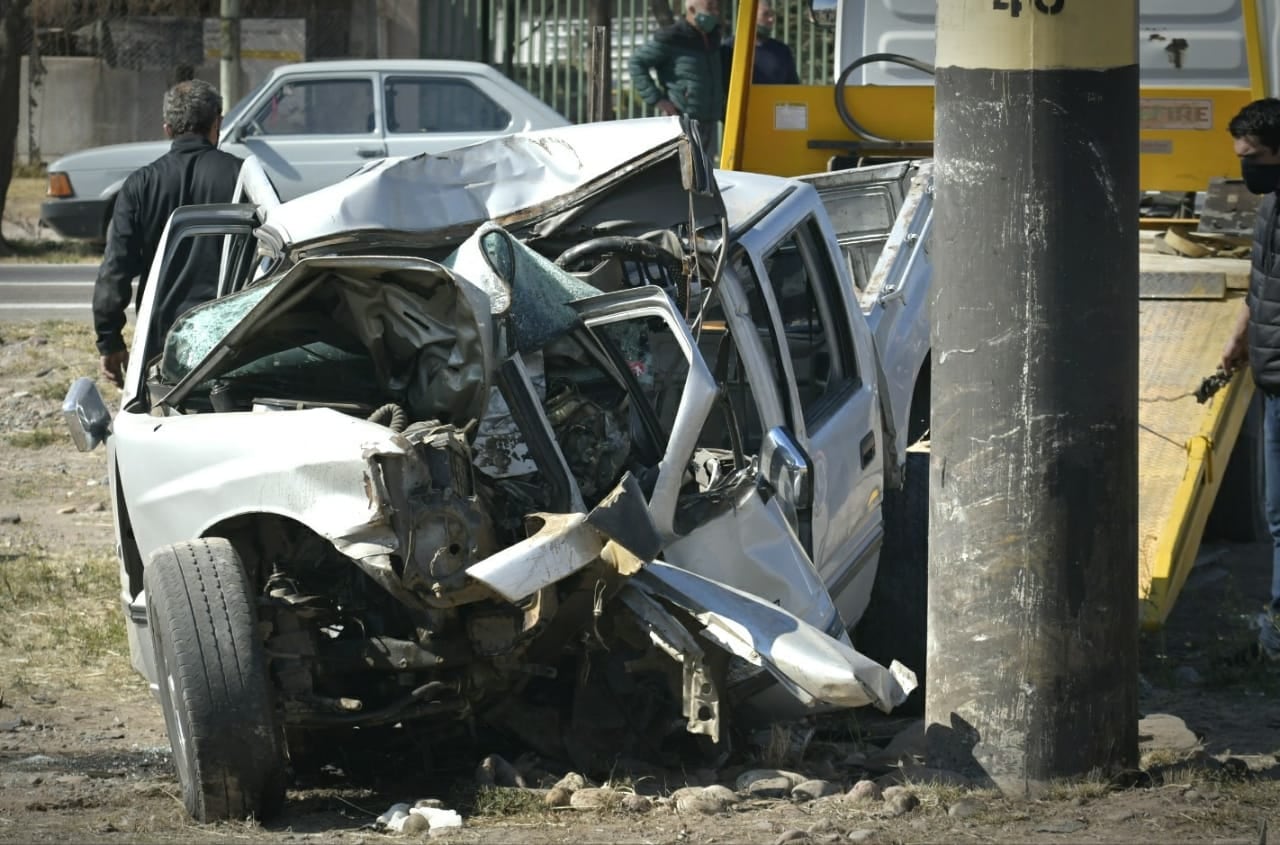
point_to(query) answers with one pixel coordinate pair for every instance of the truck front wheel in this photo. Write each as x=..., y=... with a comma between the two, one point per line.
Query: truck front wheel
x=893, y=626
x=213, y=682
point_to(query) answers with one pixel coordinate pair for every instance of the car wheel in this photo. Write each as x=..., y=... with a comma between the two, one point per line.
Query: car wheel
x=894, y=624
x=212, y=678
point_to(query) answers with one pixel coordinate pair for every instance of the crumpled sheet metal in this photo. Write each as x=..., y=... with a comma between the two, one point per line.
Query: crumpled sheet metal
x=812, y=666
x=566, y=543
x=426, y=329
x=470, y=185
x=700, y=700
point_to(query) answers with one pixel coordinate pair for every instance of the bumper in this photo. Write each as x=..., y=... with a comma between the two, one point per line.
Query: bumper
x=84, y=219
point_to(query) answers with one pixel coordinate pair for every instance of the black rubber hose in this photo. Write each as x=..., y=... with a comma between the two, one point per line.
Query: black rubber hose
x=390, y=415
x=843, y=108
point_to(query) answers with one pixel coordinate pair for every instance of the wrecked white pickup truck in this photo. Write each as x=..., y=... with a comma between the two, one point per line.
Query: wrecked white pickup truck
x=558, y=433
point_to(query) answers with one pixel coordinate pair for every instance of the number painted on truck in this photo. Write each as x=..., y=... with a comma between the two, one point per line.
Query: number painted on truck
x=1014, y=7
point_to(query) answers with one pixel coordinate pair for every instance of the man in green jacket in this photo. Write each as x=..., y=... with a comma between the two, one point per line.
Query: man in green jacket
x=690, y=76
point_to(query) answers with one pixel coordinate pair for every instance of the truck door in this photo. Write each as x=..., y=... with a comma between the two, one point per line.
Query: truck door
x=882, y=217
x=832, y=397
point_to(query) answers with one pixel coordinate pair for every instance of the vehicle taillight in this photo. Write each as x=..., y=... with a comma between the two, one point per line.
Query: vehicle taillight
x=59, y=185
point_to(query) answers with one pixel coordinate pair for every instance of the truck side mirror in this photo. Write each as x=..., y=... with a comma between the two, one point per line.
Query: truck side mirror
x=86, y=414
x=786, y=469
x=824, y=12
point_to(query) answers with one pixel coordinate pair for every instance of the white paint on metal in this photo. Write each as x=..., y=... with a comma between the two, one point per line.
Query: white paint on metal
x=1215, y=55
x=563, y=545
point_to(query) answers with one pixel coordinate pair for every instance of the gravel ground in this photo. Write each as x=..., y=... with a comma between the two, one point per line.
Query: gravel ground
x=84, y=757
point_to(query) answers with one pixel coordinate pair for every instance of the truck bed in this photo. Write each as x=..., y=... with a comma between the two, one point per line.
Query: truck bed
x=1187, y=308
x=1185, y=316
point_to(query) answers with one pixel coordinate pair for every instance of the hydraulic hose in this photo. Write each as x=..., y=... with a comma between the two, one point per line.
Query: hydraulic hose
x=843, y=109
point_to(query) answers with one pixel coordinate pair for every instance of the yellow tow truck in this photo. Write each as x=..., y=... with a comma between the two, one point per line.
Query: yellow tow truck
x=1200, y=63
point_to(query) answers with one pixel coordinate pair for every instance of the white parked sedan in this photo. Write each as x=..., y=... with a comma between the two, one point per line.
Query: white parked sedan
x=313, y=123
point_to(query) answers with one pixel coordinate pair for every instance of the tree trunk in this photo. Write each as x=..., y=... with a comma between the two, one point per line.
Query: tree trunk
x=13, y=28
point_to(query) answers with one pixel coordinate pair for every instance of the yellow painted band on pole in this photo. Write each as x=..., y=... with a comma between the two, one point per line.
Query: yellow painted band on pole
x=1254, y=51
x=744, y=56
x=270, y=55
x=1037, y=34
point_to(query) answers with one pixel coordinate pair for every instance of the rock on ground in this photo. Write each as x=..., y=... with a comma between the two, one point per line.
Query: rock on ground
x=865, y=790
x=812, y=790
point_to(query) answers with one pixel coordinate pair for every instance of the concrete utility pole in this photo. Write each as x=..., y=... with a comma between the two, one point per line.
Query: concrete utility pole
x=1032, y=668
x=229, y=67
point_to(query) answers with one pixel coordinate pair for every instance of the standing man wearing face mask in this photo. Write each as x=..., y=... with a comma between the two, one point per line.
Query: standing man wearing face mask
x=1256, y=339
x=774, y=64
x=685, y=58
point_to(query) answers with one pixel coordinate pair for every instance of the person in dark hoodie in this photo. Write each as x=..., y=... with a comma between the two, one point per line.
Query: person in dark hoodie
x=194, y=171
x=774, y=64
x=679, y=70
x=1255, y=342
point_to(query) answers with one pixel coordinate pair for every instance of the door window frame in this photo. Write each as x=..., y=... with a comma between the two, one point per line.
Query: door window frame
x=833, y=311
x=251, y=117
x=390, y=78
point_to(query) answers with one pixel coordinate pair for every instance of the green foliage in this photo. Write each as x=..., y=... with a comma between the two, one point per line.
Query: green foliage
x=37, y=438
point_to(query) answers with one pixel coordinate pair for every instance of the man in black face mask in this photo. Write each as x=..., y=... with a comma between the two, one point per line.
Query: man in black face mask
x=1256, y=339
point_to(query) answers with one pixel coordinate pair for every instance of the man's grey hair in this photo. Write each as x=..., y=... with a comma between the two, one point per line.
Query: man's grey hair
x=191, y=107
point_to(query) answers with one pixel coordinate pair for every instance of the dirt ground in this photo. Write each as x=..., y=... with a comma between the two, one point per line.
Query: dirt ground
x=84, y=757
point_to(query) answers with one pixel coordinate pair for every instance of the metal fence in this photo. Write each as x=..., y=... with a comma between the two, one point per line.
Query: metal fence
x=544, y=44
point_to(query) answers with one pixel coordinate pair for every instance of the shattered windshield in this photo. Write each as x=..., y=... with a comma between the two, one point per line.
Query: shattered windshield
x=195, y=334
x=540, y=292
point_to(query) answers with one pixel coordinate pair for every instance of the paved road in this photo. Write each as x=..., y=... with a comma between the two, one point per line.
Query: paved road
x=46, y=291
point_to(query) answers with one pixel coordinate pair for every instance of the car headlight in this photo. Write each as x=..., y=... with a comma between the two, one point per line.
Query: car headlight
x=59, y=185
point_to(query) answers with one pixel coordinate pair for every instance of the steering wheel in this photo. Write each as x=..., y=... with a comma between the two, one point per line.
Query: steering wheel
x=638, y=249
x=579, y=255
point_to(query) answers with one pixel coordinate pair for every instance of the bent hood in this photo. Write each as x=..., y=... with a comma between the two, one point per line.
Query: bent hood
x=428, y=331
x=545, y=177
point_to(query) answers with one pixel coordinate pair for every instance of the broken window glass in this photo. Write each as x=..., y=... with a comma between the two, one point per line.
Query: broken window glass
x=195, y=334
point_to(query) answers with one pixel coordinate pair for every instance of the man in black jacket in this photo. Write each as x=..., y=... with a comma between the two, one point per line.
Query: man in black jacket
x=194, y=171
x=1256, y=338
x=686, y=60
x=774, y=64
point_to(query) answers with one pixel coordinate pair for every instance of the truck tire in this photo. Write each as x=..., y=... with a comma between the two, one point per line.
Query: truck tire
x=1239, y=512
x=893, y=626
x=213, y=684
